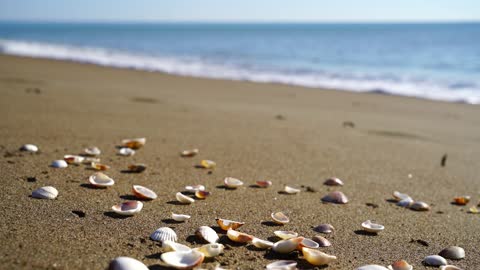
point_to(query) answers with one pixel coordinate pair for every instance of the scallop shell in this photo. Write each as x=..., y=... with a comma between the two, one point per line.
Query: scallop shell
x=183, y=260
x=208, y=234
x=59, y=164
x=29, y=148
x=291, y=190
x=308, y=243
x=285, y=234
x=282, y=265
x=92, y=151
x=372, y=267
x=195, y=188
x=335, y=197
x=99, y=166
x=372, y=227
x=262, y=244
x=450, y=267
x=180, y=217
x=138, y=168
x=420, y=206
x=322, y=241
x=169, y=245
x=134, y=143
x=324, y=228
x=239, y=237
x=287, y=246
x=100, y=180
x=263, y=184
x=129, y=208
x=280, y=218
x=400, y=265
x=126, y=263
x=434, y=260
x=407, y=202
x=47, y=192
x=226, y=224
x=316, y=257
x=183, y=198
x=231, y=182
x=163, y=234
x=189, y=153
x=400, y=196
x=202, y=194
x=452, y=253
x=143, y=192
x=211, y=250
x=125, y=151
x=73, y=159
x=208, y=164
x=333, y=182
x=462, y=200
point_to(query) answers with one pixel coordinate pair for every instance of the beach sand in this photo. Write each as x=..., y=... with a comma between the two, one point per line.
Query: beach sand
x=289, y=135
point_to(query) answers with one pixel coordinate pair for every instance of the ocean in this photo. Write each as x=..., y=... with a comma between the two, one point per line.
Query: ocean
x=434, y=61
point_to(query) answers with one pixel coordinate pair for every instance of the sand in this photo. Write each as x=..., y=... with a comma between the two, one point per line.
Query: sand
x=289, y=135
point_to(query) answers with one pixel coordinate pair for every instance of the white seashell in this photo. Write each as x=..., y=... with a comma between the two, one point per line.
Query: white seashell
x=129, y=208
x=89, y=160
x=282, y=265
x=287, y=246
x=184, y=198
x=263, y=184
x=92, y=151
x=291, y=190
x=183, y=260
x=420, y=206
x=372, y=267
x=400, y=196
x=450, y=267
x=29, y=148
x=435, y=260
x=226, y=224
x=308, y=243
x=322, y=241
x=372, y=227
x=231, y=182
x=316, y=257
x=453, y=253
x=169, y=245
x=211, y=250
x=180, y=217
x=193, y=189
x=47, y=192
x=263, y=244
x=126, y=263
x=208, y=234
x=73, y=159
x=280, y=218
x=335, y=197
x=134, y=143
x=143, y=192
x=125, y=151
x=100, y=180
x=407, y=202
x=239, y=237
x=59, y=164
x=285, y=234
x=400, y=265
x=333, y=182
x=324, y=228
x=189, y=153
x=163, y=234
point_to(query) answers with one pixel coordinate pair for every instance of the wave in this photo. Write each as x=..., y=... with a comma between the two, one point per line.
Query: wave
x=420, y=88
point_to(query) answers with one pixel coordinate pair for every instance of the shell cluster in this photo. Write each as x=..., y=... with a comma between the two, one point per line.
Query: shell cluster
x=404, y=200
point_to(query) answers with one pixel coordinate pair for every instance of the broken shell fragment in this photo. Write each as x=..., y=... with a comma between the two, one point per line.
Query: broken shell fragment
x=29, y=148
x=280, y=218
x=462, y=200
x=184, y=198
x=333, y=182
x=208, y=234
x=169, y=245
x=47, y=192
x=282, y=265
x=231, y=182
x=262, y=244
x=59, y=164
x=316, y=257
x=226, y=224
x=473, y=210
x=400, y=265
x=335, y=197
x=99, y=166
x=143, y=192
x=129, y=208
x=180, y=217
x=420, y=206
x=211, y=250
x=263, y=184
x=125, y=151
x=238, y=237
x=450, y=267
x=126, y=263
x=368, y=226
x=291, y=190
x=183, y=260
x=134, y=143
x=285, y=234
x=189, y=153
x=287, y=246
x=73, y=159
x=452, y=253
x=208, y=164
x=202, y=194
x=163, y=234
x=324, y=228
x=137, y=168
x=434, y=260
x=308, y=243
x=100, y=180
x=372, y=267
x=193, y=189
x=92, y=151
x=322, y=241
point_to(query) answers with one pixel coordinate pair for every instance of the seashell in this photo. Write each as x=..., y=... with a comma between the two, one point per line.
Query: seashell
x=47, y=192
x=202, y=194
x=407, y=202
x=59, y=164
x=450, y=267
x=284, y=235
x=100, y=180
x=143, y=192
x=238, y=237
x=308, y=243
x=73, y=159
x=89, y=160
x=231, y=182
x=462, y=200
x=420, y=206
x=211, y=250
x=371, y=267
x=180, y=217
x=169, y=245
x=29, y=148
x=333, y=182
x=208, y=234
x=400, y=265
x=189, y=153
x=99, y=166
x=473, y=210
x=262, y=244
x=400, y=196
x=208, y=164
x=335, y=197
x=183, y=260
x=124, y=151
x=434, y=260
x=287, y=246
x=126, y=263
x=226, y=224
x=322, y=241
x=372, y=227
x=92, y=151
x=316, y=257
x=184, y=198
x=138, y=168
x=134, y=143
x=324, y=228
x=263, y=184
x=195, y=188
x=163, y=234
x=280, y=218
x=129, y=208
x=282, y=265
x=291, y=190
x=452, y=253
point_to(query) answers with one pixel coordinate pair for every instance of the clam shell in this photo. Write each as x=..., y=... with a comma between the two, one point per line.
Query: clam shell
x=280, y=218
x=134, y=143
x=316, y=257
x=324, y=228
x=126, y=263
x=226, y=224
x=73, y=159
x=322, y=241
x=202, y=194
x=92, y=151
x=263, y=184
x=208, y=164
x=287, y=246
x=333, y=182
x=125, y=151
x=163, y=234
x=450, y=267
x=180, y=217
x=308, y=243
x=211, y=250
x=100, y=180
x=407, y=202
x=47, y=192
x=183, y=260
x=335, y=197
x=285, y=234
x=282, y=265
x=29, y=148
x=453, y=253
x=189, y=153
x=208, y=234
x=262, y=244
x=231, y=182
x=420, y=206
x=238, y=237
x=291, y=190
x=59, y=164
x=138, y=168
x=195, y=188
x=372, y=267
x=372, y=227
x=169, y=245
x=143, y=192
x=129, y=208
x=434, y=260
x=400, y=196
x=99, y=166
x=184, y=198
x=400, y=265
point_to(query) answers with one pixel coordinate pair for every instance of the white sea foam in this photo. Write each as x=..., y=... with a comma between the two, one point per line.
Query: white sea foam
x=198, y=68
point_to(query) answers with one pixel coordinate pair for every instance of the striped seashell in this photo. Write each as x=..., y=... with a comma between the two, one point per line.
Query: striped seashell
x=163, y=234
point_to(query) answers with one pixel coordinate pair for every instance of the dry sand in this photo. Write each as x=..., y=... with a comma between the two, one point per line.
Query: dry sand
x=289, y=135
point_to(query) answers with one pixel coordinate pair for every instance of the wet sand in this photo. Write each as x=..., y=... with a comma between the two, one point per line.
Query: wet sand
x=289, y=135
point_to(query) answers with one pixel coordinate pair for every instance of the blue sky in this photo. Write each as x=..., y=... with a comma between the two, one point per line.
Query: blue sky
x=241, y=10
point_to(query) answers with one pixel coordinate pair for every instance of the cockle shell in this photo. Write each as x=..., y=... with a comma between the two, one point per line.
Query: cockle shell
x=143, y=192
x=226, y=224
x=92, y=151
x=208, y=164
x=193, y=189
x=202, y=194
x=372, y=267
x=372, y=227
x=280, y=218
x=99, y=166
x=169, y=245
x=182, y=259
x=100, y=180
x=287, y=246
x=59, y=164
x=452, y=253
x=450, y=267
x=29, y=148
x=231, y=182
x=129, y=208
x=125, y=151
x=126, y=263
x=322, y=241
x=238, y=237
x=420, y=206
x=208, y=234
x=435, y=260
x=73, y=159
x=285, y=234
x=291, y=190
x=461, y=200
x=184, y=198
x=189, y=153
x=211, y=250
x=316, y=257
x=138, y=168
x=308, y=243
x=262, y=244
x=335, y=197
x=400, y=196
x=400, y=265
x=180, y=217
x=282, y=265
x=333, y=182
x=47, y=192
x=163, y=234
x=324, y=228
x=134, y=143
x=263, y=184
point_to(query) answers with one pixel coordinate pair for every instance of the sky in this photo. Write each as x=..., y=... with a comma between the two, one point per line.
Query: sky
x=241, y=10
